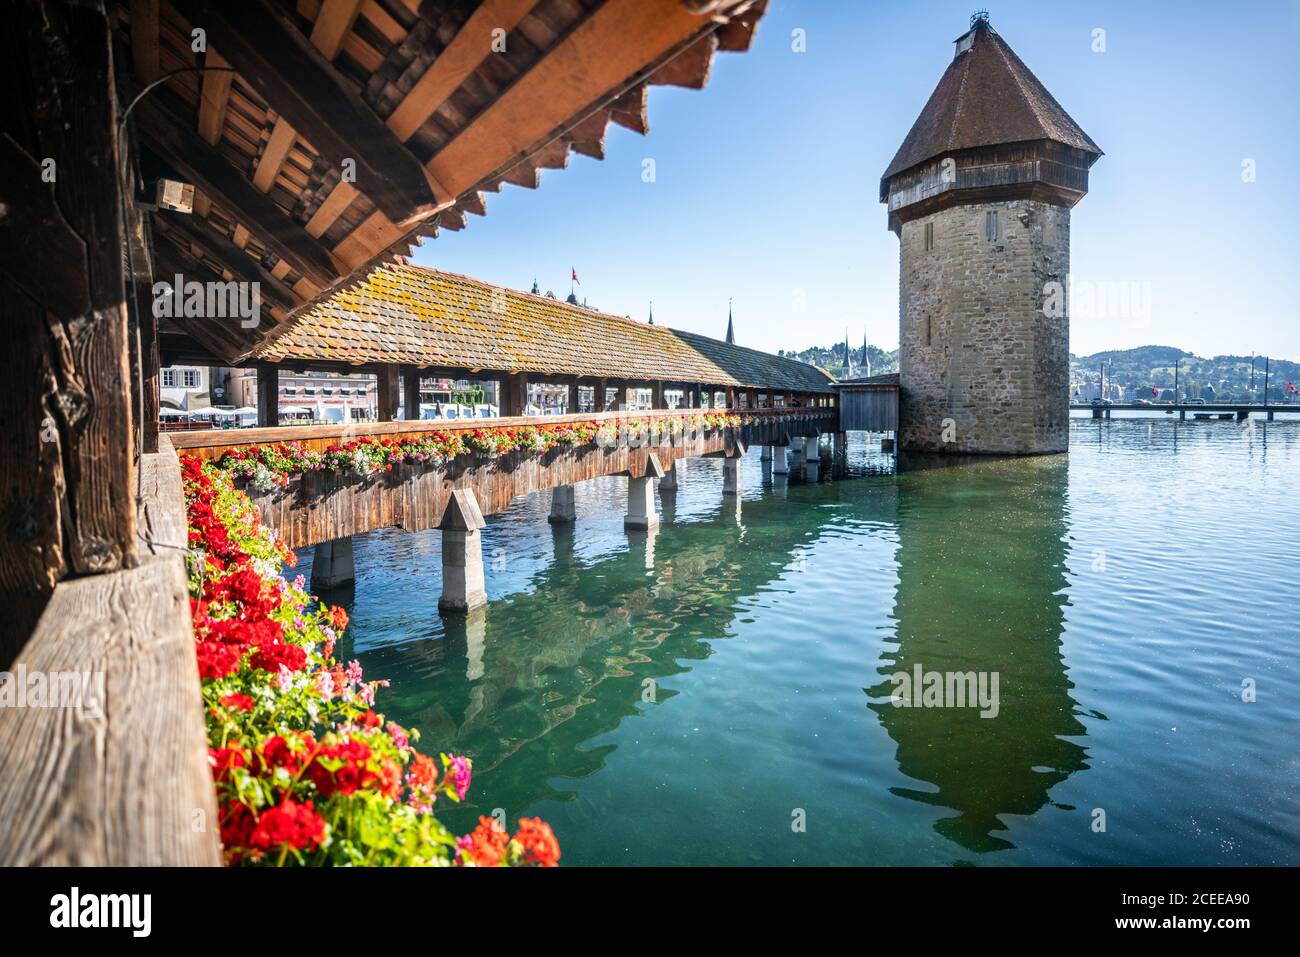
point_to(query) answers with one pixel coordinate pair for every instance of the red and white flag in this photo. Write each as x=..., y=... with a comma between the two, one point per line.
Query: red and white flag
x=1155, y=391
x=573, y=274
x=1290, y=387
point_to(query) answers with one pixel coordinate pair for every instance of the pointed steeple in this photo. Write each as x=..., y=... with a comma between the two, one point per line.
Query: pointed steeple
x=731, y=329
x=866, y=359
x=652, y=312
x=536, y=291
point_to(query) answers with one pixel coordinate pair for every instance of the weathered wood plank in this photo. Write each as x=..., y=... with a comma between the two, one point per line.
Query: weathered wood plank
x=119, y=776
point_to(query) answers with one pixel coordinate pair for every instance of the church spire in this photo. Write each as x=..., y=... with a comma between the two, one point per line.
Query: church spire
x=652, y=312
x=731, y=329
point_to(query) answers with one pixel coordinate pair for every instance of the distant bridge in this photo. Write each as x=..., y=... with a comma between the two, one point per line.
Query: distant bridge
x=1240, y=411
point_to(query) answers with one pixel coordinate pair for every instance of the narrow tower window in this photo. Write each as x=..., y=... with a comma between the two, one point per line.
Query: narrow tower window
x=929, y=236
x=991, y=225
x=927, y=330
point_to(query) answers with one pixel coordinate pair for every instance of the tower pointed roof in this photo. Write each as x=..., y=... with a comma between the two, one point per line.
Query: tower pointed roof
x=731, y=329
x=652, y=312
x=986, y=97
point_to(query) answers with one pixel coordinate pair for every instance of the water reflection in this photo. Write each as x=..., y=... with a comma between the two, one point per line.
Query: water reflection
x=981, y=588
x=524, y=685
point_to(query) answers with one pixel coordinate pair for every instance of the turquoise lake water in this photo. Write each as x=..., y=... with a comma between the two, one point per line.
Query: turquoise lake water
x=694, y=696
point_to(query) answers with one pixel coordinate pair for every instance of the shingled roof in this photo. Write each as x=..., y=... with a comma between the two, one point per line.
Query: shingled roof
x=412, y=315
x=986, y=97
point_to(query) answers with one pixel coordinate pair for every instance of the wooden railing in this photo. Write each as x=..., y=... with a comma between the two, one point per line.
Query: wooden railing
x=212, y=443
x=320, y=506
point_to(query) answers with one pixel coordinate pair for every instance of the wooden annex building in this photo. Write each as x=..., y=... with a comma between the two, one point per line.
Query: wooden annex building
x=322, y=139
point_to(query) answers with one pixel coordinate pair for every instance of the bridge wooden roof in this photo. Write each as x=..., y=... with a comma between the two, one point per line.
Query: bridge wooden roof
x=406, y=314
x=349, y=129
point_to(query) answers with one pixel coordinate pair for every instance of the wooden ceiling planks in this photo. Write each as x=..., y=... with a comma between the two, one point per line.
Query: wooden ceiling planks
x=426, y=75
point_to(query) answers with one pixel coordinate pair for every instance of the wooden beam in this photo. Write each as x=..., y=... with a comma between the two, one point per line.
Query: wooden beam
x=332, y=25
x=214, y=98
x=144, y=40
x=272, y=158
x=467, y=49
x=331, y=207
x=268, y=394
x=67, y=461
x=302, y=86
x=386, y=386
x=199, y=163
x=411, y=392
x=242, y=265
x=631, y=35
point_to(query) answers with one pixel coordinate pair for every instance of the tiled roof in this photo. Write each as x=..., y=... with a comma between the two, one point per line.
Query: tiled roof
x=406, y=314
x=986, y=97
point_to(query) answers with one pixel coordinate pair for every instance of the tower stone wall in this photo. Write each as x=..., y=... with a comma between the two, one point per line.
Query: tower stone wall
x=984, y=366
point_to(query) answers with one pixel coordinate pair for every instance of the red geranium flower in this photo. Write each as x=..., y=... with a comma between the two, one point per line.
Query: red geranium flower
x=538, y=841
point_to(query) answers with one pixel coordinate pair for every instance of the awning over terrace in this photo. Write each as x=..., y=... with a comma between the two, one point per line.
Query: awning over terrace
x=414, y=316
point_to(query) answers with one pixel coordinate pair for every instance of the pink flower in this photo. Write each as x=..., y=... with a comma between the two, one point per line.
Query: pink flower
x=325, y=684
x=354, y=672
x=399, y=736
x=285, y=678
x=458, y=769
x=367, y=694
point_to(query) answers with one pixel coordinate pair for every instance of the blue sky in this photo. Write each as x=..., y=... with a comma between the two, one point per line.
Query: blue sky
x=765, y=187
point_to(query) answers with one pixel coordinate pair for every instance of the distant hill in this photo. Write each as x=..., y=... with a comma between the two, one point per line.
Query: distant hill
x=1226, y=378
x=831, y=358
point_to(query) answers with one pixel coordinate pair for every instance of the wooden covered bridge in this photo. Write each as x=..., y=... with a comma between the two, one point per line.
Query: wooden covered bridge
x=306, y=146
x=404, y=322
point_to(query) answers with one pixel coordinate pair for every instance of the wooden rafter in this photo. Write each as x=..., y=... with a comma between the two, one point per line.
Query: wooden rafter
x=301, y=85
x=202, y=165
x=472, y=43
x=629, y=33
x=214, y=98
x=332, y=25
x=144, y=39
x=241, y=265
x=272, y=158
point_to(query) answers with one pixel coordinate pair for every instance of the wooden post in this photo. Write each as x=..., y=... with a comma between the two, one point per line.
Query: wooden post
x=386, y=384
x=268, y=395
x=67, y=470
x=514, y=393
x=602, y=393
x=571, y=405
x=657, y=395
x=411, y=392
x=731, y=397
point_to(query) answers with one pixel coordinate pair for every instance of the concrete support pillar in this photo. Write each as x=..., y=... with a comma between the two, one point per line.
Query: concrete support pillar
x=562, y=508
x=765, y=454
x=462, y=554
x=641, y=515
x=782, y=464
x=333, y=566
x=812, y=448
x=731, y=476
x=669, y=482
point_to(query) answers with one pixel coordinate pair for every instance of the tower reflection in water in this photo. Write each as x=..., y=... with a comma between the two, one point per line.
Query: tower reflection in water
x=981, y=588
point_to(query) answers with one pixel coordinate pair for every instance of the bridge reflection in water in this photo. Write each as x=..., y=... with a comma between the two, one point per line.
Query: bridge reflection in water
x=530, y=685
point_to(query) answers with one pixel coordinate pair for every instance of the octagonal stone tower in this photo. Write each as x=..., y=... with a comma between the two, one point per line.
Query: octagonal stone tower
x=980, y=195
